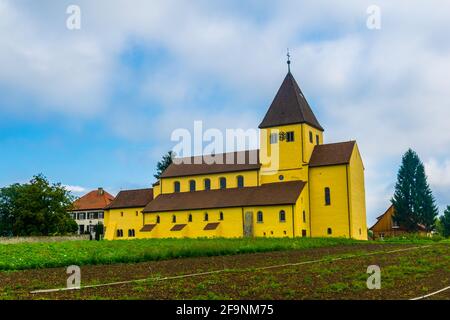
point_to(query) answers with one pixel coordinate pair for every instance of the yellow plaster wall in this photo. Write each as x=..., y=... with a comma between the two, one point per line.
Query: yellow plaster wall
x=336, y=215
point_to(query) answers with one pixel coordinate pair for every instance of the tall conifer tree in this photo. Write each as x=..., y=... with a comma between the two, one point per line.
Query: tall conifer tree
x=413, y=200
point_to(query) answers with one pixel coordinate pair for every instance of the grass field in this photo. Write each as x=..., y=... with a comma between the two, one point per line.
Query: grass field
x=231, y=269
x=43, y=255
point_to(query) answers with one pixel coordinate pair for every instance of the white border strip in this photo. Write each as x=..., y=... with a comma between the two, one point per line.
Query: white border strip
x=225, y=270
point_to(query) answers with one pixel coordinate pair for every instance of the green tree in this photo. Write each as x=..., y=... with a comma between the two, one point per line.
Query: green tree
x=413, y=200
x=165, y=162
x=424, y=202
x=35, y=208
x=445, y=223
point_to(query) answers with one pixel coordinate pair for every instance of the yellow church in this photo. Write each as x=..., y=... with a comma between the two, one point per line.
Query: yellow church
x=313, y=190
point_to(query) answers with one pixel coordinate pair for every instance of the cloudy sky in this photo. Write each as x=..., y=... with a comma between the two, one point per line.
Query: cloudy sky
x=96, y=106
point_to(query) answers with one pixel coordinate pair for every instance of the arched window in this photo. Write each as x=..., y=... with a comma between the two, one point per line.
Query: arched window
x=259, y=217
x=220, y=215
x=304, y=216
x=223, y=183
x=137, y=213
x=131, y=233
x=327, y=196
x=329, y=231
x=206, y=216
x=310, y=137
x=282, y=216
x=240, y=181
x=190, y=218
x=158, y=219
x=174, y=219
x=317, y=139
x=118, y=233
x=176, y=186
x=192, y=185
x=207, y=183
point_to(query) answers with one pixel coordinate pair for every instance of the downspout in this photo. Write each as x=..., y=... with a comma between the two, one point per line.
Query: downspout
x=309, y=204
x=293, y=224
x=243, y=223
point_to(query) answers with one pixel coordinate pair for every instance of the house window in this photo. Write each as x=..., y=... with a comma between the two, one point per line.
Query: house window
x=223, y=183
x=81, y=216
x=317, y=139
x=290, y=136
x=310, y=137
x=121, y=213
x=176, y=186
x=206, y=216
x=221, y=215
x=190, y=218
x=329, y=231
x=100, y=215
x=282, y=216
x=119, y=233
x=137, y=213
x=207, y=184
x=192, y=185
x=281, y=177
x=259, y=217
x=304, y=216
x=158, y=219
x=327, y=196
x=303, y=233
x=131, y=233
x=273, y=138
x=240, y=181
x=174, y=219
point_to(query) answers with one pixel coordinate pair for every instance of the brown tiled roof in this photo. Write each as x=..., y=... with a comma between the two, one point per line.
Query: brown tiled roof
x=94, y=200
x=289, y=107
x=229, y=162
x=331, y=154
x=148, y=227
x=265, y=195
x=211, y=226
x=131, y=199
x=178, y=227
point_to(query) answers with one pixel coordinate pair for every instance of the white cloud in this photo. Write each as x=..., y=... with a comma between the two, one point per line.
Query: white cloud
x=388, y=88
x=76, y=189
x=438, y=173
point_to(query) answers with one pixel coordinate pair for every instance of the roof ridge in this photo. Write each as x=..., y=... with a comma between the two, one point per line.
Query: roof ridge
x=296, y=86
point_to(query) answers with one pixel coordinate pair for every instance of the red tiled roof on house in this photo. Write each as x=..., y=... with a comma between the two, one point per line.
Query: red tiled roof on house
x=94, y=200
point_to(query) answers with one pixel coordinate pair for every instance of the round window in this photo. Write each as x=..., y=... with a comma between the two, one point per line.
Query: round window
x=281, y=177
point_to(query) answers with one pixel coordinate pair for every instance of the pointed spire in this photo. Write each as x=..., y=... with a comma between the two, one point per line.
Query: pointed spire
x=289, y=107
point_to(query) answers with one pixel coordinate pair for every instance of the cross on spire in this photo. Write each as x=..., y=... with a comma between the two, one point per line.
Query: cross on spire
x=288, y=60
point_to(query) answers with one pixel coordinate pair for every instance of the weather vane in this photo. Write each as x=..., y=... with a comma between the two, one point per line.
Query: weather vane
x=288, y=60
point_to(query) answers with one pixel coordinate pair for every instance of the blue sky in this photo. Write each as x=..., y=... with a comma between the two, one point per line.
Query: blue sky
x=96, y=106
